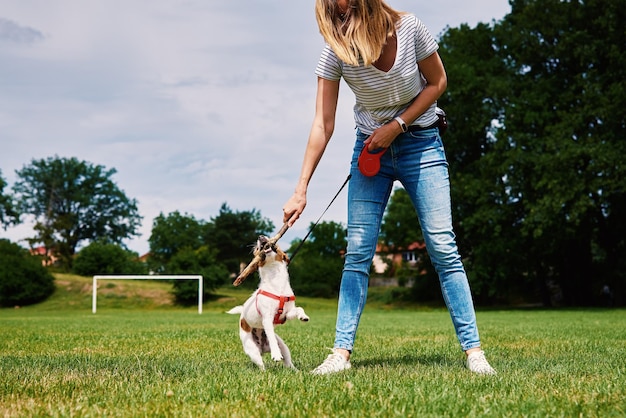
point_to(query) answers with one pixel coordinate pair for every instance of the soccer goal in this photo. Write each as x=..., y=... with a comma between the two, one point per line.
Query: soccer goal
x=146, y=277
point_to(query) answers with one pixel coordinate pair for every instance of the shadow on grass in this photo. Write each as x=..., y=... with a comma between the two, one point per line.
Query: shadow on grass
x=409, y=359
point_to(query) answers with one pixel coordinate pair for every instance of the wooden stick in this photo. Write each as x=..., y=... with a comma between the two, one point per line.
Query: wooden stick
x=254, y=264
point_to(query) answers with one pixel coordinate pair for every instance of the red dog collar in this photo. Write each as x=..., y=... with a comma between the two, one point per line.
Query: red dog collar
x=281, y=305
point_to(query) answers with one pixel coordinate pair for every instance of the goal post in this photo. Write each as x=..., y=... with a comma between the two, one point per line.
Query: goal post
x=146, y=277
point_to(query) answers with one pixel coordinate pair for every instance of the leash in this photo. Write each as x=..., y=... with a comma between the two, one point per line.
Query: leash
x=318, y=219
x=253, y=265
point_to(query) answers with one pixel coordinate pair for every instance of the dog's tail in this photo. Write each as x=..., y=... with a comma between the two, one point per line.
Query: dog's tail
x=236, y=310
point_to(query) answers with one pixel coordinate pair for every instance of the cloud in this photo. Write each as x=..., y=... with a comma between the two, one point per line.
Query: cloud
x=195, y=103
x=11, y=31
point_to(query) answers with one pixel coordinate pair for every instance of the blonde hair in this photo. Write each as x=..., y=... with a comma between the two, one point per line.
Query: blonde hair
x=361, y=32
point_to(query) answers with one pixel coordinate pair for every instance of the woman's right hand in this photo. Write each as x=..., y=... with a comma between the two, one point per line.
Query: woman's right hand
x=293, y=208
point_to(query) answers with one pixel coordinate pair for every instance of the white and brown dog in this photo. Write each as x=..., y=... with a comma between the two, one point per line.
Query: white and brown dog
x=273, y=303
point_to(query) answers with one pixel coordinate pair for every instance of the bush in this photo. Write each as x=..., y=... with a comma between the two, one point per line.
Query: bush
x=107, y=258
x=202, y=261
x=316, y=275
x=23, y=280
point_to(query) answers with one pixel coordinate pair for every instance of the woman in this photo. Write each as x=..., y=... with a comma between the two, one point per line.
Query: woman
x=390, y=61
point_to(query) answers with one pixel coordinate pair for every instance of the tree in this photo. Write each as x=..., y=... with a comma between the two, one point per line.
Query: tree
x=178, y=246
x=202, y=261
x=171, y=234
x=233, y=235
x=23, y=280
x=484, y=220
x=74, y=201
x=536, y=146
x=106, y=258
x=8, y=214
x=316, y=271
x=569, y=79
x=400, y=226
x=399, y=230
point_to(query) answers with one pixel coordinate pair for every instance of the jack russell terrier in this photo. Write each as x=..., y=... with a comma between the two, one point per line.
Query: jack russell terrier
x=273, y=303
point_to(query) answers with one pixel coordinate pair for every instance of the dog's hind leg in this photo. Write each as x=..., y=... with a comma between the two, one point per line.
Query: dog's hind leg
x=252, y=347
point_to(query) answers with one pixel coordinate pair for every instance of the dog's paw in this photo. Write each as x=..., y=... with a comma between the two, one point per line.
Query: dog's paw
x=301, y=315
x=277, y=357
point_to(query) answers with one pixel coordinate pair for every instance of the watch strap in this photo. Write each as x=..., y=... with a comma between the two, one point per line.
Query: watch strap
x=402, y=123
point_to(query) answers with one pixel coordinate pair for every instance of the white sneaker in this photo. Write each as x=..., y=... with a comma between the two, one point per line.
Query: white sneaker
x=477, y=363
x=334, y=363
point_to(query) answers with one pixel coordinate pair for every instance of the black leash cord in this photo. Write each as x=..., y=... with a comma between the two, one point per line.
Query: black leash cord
x=318, y=219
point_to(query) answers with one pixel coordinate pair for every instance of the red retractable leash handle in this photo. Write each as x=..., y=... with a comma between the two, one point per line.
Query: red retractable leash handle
x=369, y=161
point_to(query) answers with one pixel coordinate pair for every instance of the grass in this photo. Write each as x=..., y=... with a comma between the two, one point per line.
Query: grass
x=141, y=356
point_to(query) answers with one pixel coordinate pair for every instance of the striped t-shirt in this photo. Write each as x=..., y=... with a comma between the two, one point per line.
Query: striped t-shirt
x=381, y=96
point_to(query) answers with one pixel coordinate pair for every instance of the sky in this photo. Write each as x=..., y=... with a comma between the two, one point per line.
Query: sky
x=194, y=103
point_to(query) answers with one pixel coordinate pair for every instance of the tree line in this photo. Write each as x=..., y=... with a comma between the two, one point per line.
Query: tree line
x=76, y=204
x=536, y=139
x=535, y=146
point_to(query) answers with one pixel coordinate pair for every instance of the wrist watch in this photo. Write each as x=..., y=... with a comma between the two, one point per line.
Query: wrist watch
x=402, y=124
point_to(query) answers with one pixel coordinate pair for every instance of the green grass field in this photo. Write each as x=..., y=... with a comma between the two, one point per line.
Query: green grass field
x=139, y=356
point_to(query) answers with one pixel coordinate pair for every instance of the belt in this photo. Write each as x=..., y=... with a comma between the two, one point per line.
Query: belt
x=413, y=128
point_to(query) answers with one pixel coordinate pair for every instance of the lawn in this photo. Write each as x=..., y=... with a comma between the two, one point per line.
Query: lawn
x=141, y=356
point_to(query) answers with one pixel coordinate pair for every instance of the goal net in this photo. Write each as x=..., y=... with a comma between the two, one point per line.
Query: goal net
x=146, y=277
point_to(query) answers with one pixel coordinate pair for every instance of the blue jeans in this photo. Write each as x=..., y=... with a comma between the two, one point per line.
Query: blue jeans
x=418, y=161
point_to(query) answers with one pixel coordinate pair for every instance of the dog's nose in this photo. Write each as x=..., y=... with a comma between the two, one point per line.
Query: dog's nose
x=263, y=239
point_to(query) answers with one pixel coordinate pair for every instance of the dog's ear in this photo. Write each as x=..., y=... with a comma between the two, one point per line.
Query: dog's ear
x=282, y=256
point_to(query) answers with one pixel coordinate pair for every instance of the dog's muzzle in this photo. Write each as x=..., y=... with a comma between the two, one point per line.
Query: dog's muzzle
x=264, y=246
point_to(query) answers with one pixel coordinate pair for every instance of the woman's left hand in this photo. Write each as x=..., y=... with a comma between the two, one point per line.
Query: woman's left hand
x=383, y=136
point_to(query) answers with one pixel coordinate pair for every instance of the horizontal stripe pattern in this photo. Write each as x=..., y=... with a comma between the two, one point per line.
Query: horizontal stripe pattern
x=380, y=96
